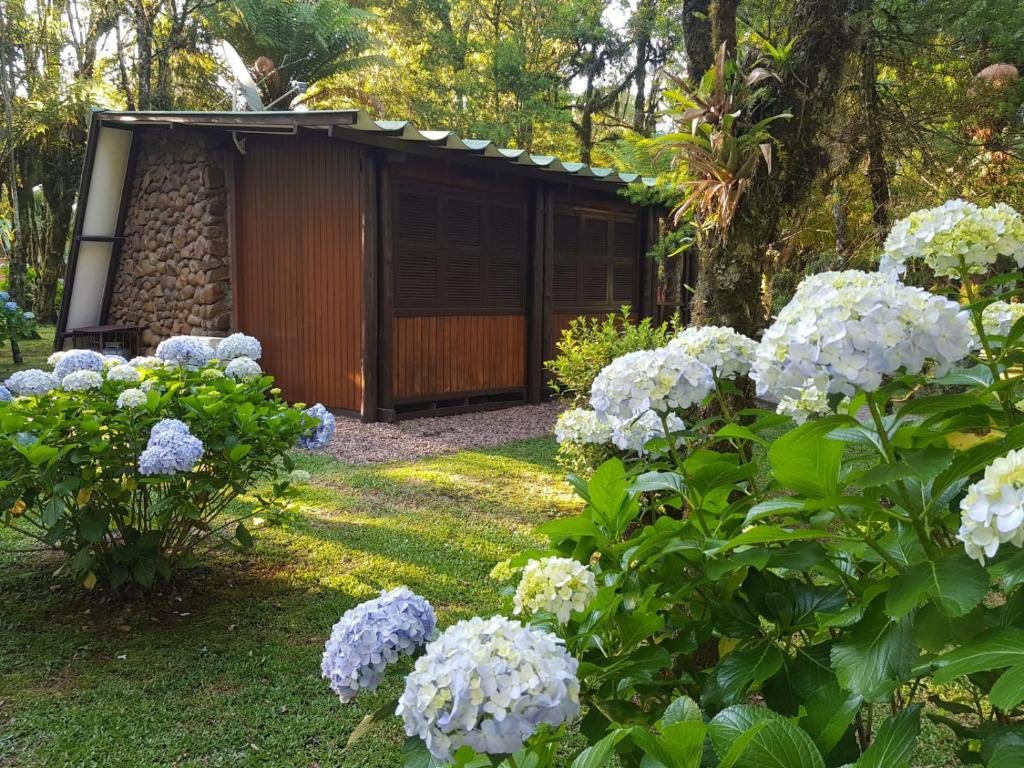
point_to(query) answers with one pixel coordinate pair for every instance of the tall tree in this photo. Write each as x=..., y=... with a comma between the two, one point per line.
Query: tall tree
x=732, y=259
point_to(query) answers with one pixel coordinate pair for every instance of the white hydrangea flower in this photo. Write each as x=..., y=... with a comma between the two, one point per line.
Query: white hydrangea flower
x=847, y=331
x=149, y=384
x=112, y=361
x=131, y=398
x=555, y=585
x=80, y=381
x=299, y=477
x=239, y=345
x=635, y=433
x=582, y=426
x=488, y=684
x=243, y=369
x=953, y=231
x=992, y=512
x=55, y=358
x=728, y=353
x=146, y=363
x=123, y=373
x=658, y=379
x=31, y=382
x=999, y=317
x=809, y=400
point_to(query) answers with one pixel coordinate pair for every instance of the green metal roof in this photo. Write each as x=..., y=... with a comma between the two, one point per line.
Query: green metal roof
x=339, y=122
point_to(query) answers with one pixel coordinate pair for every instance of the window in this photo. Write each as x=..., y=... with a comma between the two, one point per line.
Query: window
x=595, y=259
x=458, y=252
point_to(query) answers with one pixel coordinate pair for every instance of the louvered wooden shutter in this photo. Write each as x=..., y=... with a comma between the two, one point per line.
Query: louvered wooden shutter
x=417, y=248
x=624, y=254
x=505, y=286
x=464, y=223
x=457, y=253
x=596, y=260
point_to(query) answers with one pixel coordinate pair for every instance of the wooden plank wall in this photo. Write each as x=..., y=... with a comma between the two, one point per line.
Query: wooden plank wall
x=299, y=264
x=458, y=353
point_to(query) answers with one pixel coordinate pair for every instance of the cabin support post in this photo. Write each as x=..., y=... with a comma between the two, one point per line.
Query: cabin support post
x=386, y=295
x=538, y=305
x=648, y=267
x=548, y=260
x=232, y=174
x=371, y=289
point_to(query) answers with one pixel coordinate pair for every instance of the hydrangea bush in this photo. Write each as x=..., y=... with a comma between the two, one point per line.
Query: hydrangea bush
x=16, y=324
x=133, y=468
x=801, y=586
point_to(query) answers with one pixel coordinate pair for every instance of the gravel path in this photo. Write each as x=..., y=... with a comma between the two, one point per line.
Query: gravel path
x=358, y=443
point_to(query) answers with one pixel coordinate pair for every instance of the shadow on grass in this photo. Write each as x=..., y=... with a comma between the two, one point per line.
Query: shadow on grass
x=221, y=666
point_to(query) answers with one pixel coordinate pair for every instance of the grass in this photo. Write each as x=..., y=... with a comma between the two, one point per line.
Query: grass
x=222, y=667
x=34, y=351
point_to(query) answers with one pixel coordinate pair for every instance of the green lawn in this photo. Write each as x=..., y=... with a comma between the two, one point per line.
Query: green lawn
x=35, y=352
x=222, y=667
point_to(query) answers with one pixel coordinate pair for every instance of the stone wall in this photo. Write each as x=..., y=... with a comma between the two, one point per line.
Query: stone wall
x=175, y=275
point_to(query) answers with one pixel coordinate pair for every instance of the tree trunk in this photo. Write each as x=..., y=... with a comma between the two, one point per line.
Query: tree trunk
x=60, y=200
x=839, y=219
x=697, y=38
x=878, y=174
x=723, y=25
x=587, y=121
x=644, y=17
x=729, y=286
x=729, y=275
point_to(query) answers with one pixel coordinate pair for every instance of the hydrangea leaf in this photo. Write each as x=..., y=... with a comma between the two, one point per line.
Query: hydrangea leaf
x=994, y=649
x=1008, y=690
x=957, y=584
x=746, y=736
x=894, y=743
x=876, y=656
x=806, y=460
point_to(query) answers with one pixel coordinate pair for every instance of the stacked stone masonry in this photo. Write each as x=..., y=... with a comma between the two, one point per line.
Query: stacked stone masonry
x=175, y=273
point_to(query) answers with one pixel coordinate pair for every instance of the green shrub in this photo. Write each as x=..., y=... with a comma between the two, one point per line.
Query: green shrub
x=75, y=475
x=591, y=343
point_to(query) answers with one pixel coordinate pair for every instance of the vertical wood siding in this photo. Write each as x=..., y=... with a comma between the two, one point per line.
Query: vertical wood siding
x=439, y=355
x=299, y=265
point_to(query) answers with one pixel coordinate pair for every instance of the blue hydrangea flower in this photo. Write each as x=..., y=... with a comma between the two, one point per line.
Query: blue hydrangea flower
x=5, y=394
x=5, y=296
x=319, y=436
x=186, y=351
x=239, y=345
x=78, y=360
x=11, y=306
x=24, y=438
x=373, y=635
x=29, y=315
x=31, y=382
x=171, y=448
